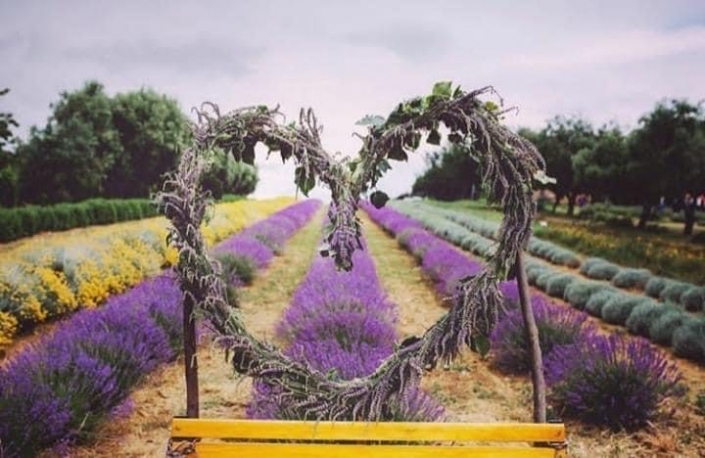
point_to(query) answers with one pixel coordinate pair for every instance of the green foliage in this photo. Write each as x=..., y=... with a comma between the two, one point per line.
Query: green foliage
x=596, y=302
x=618, y=308
x=152, y=131
x=26, y=221
x=379, y=199
x=69, y=159
x=655, y=285
x=225, y=175
x=665, y=152
x=693, y=299
x=700, y=403
x=556, y=285
x=453, y=173
x=600, y=166
x=599, y=269
x=237, y=267
x=689, y=340
x=662, y=328
x=578, y=292
x=97, y=146
x=673, y=290
x=632, y=278
x=641, y=317
x=558, y=143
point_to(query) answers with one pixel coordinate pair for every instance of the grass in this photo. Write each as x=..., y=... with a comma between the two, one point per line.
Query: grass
x=664, y=253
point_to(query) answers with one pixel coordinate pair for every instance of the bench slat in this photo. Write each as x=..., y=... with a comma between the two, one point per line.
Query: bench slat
x=383, y=431
x=261, y=450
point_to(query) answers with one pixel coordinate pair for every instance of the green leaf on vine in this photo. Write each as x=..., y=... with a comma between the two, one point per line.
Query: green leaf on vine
x=481, y=344
x=379, y=199
x=442, y=89
x=412, y=140
x=455, y=137
x=305, y=182
x=286, y=151
x=397, y=153
x=434, y=138
x=371, y=120
x=248, y=154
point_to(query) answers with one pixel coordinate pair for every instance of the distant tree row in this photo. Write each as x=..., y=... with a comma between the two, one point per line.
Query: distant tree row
x=94, y=145
x=664, y=157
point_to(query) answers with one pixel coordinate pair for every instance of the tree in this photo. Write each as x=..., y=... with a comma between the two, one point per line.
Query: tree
x=69, y=159
x=666, y=154
x=452, y=174
x=152, y=130
x=97, y=146
x=225, y=175
x=558, y=142
x=599, y=170
x=9, y=177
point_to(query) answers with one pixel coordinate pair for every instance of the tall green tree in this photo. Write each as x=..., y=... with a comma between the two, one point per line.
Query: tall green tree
x=9, y=176
x=152, y=130
x=599, y=170
x=452, y=173
x=666, y=154
x=69, y=159
x=559, y=142
x=97, y=146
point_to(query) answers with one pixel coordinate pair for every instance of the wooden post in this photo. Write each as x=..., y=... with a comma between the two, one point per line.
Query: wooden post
x=532, y=334
x=190, y=359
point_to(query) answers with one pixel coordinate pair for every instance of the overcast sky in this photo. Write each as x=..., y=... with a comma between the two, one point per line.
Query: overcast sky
x=602, y=60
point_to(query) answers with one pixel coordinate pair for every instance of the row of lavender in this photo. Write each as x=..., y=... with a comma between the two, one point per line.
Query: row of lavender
x=666, y=323
x=342, y=324
x=56, y=391
x=609, y=381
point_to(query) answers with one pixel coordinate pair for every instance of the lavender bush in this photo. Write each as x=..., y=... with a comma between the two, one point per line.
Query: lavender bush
x=341, y=324
x=610, y=381
x=59, y=389
x=557, y=326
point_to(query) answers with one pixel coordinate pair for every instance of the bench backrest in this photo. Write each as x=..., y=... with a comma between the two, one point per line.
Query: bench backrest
x=264, y=438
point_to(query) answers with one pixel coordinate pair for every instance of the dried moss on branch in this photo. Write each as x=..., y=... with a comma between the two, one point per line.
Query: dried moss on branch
x=509, y=163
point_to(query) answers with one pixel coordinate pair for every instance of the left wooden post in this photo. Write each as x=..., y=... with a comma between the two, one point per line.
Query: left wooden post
x=190, y=358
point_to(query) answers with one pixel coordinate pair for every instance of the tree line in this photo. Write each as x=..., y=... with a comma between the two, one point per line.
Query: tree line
x=660, y=160
x=94, y=145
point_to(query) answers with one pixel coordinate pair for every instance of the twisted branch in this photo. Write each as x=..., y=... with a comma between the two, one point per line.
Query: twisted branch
x=509, y=163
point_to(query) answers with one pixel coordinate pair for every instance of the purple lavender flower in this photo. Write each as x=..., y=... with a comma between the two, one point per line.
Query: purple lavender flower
x=557, y=326
x=341, y=323
x=610, y=381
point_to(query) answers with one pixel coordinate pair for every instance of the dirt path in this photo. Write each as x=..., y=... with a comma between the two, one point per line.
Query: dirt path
x=145, y=432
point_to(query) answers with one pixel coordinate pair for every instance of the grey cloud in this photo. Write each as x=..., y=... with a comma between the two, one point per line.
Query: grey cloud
x=199, y=56
x=413, y=43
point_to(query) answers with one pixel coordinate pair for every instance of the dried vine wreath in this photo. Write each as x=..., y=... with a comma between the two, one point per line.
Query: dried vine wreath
x=509, y=163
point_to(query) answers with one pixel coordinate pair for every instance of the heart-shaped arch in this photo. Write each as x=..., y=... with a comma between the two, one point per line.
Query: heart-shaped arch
x=509, y=162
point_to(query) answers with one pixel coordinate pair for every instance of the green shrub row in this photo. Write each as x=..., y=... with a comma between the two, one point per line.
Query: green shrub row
x=666, y=323
x=599, y=269
x=537, y=247
x=19, y=222
x=688, y=296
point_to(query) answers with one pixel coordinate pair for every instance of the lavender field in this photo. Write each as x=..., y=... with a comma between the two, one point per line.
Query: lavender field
x=96, y=378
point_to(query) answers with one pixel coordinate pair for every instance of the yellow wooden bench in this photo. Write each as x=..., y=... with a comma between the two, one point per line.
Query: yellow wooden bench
x=265, y=438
